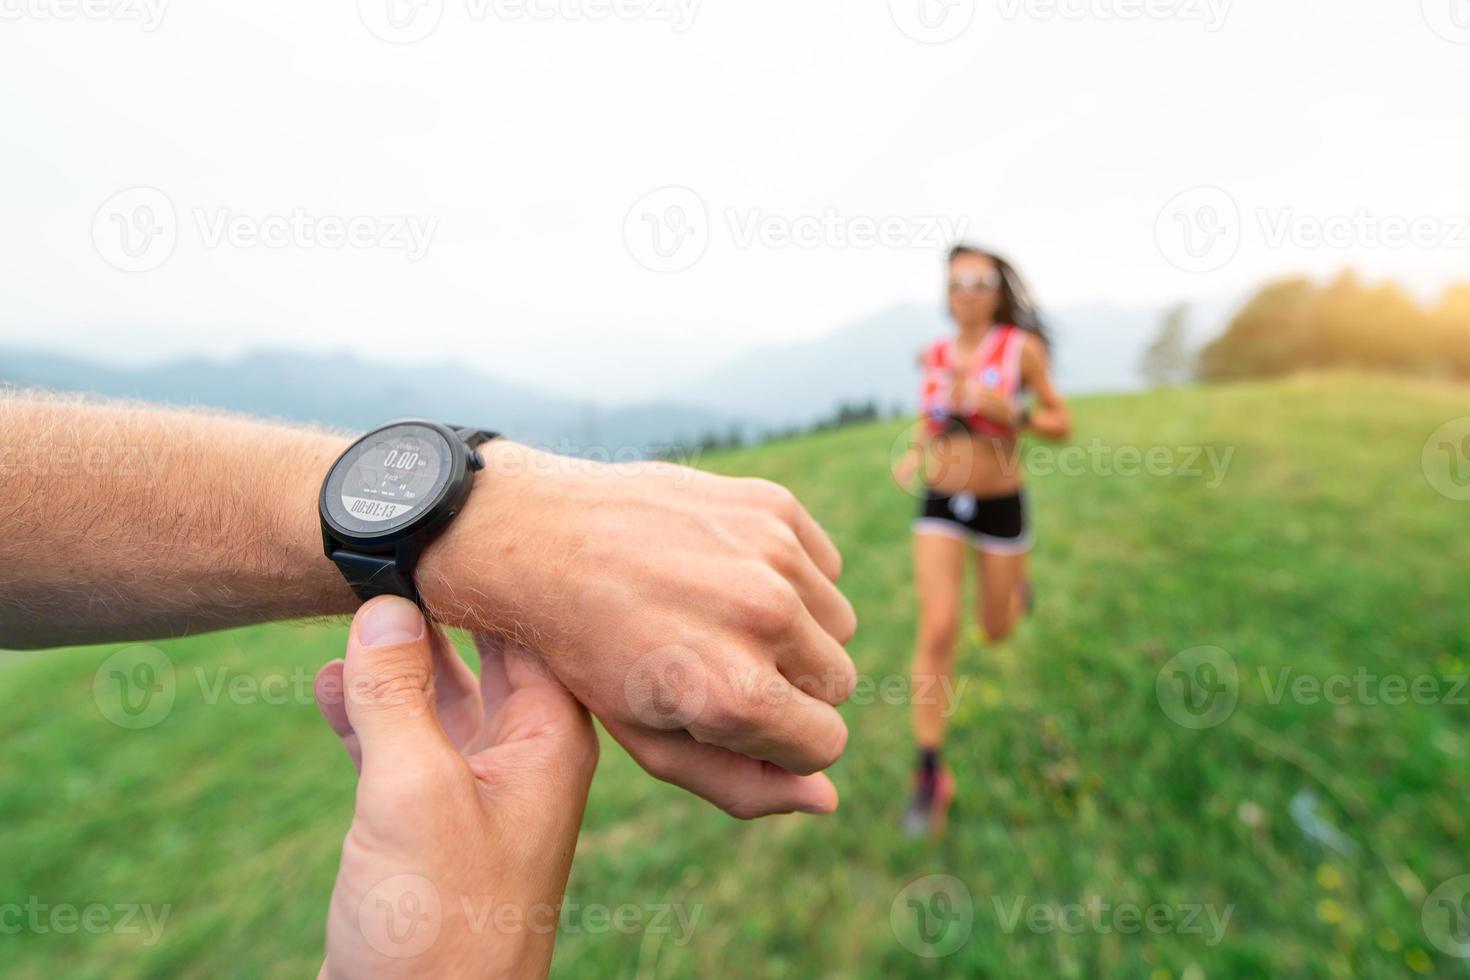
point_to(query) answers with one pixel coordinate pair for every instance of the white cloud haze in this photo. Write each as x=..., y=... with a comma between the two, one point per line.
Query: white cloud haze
x=475, y=193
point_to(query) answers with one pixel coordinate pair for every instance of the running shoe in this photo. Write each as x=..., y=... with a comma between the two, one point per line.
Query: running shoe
x=929, y=807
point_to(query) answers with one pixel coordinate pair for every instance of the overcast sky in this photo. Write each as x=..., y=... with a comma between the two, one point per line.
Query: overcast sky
x=595, y=195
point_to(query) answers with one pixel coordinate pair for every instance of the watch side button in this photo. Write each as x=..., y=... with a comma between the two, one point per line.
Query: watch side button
x=477, y=462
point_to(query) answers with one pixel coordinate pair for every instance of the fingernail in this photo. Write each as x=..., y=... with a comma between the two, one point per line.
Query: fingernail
x=388, y=622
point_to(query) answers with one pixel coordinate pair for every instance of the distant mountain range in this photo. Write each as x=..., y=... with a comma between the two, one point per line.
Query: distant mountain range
x=772, y=387
x=1096, y=349
x=344, y=391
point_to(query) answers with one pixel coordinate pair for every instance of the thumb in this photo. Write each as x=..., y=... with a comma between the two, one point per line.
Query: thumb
x=388, y=687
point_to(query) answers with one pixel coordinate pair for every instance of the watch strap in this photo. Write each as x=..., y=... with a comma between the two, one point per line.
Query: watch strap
x=373, y=575
x=474, y=437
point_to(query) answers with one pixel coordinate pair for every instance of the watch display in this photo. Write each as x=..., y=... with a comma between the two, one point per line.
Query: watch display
x=388, y=479
x=389, y=494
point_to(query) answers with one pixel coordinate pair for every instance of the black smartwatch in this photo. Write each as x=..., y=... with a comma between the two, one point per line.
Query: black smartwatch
x=389, y=494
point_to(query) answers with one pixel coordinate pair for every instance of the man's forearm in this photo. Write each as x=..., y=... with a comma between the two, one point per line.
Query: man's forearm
x=637, y=586
x=123, y=522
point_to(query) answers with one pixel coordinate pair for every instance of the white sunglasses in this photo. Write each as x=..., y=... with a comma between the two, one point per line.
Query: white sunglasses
x=976, y=284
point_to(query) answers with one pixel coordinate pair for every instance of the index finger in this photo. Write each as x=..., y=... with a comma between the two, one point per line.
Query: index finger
x=813, y=538
x=741, y=786
x=817, y=544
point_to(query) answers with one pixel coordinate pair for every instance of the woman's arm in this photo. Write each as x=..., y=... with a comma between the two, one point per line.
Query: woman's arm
x=1050, y=419
x=906, y=467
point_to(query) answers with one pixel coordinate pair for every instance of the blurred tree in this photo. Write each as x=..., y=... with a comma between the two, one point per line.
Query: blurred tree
x=1296, y=325
x=1451, y=322
x=1166, y=360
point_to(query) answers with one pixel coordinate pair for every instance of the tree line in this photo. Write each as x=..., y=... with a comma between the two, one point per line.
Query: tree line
x=847, y=413
x=1296, y=324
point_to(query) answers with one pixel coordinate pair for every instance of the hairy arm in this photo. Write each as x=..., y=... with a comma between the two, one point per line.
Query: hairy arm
x=696, y=615
x=129, y=522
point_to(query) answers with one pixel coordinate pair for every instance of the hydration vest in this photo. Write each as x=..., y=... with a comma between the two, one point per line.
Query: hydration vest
x=996, y=366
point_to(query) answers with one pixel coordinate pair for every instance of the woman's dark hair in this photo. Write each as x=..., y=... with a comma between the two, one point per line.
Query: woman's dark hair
x=1016, y=305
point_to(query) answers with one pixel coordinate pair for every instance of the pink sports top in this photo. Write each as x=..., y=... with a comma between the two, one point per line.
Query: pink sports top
x=996, y=365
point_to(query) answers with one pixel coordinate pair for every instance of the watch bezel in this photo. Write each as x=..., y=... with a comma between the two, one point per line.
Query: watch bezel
x=438, y=511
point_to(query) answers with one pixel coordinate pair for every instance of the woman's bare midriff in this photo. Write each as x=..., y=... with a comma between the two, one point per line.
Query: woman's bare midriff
x=981, y=465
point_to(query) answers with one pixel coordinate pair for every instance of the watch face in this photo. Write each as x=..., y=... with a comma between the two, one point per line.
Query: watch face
x=389, y=479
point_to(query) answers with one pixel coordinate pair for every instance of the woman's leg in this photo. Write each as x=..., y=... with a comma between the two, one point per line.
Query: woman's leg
x=939, y=566
x=1002, y=600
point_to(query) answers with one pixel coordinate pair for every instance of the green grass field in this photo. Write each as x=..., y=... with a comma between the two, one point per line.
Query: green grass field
x=1324, y=551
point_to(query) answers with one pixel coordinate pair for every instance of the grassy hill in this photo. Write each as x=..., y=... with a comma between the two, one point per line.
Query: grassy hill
x=1321, y=551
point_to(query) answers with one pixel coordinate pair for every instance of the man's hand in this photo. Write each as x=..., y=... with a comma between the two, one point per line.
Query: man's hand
x=468, y=806
x=695, y=615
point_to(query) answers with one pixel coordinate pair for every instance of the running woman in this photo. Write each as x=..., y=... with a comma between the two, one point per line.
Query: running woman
x=974, y=409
